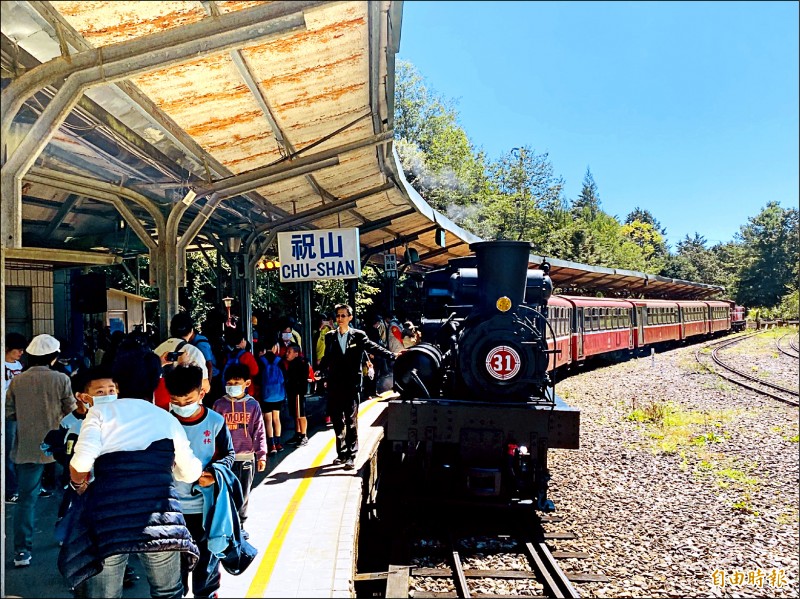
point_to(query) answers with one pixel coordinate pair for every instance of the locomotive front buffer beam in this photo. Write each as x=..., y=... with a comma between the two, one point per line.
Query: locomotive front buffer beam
x=481, y=449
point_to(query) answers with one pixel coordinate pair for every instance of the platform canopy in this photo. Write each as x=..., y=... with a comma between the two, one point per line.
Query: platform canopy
x=129, y=127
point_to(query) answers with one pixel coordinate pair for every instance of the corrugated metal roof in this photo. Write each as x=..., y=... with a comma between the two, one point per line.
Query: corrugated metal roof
x=271, y=101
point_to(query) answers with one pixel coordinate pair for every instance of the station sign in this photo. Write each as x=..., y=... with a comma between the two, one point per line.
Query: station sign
x=390, y=265
x=319, y=255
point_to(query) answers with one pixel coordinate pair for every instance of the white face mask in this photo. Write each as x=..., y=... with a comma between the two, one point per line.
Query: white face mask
x=286, y=336
x=234, y=390
x=100, y=399
x=184, y=411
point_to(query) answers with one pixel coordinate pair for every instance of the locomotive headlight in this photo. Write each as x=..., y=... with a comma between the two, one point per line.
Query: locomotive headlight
x=503, y=304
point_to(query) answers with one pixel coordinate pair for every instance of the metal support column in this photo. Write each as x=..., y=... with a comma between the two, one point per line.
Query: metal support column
x=3, y=411
x=391, y=288
x=165, y=259
x=305, y=289
x=352, y=285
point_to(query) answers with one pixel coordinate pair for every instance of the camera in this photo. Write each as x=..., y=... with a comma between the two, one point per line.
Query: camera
x=174, y=355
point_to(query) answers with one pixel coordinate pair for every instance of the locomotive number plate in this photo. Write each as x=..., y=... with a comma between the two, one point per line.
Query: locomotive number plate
x=503, y=362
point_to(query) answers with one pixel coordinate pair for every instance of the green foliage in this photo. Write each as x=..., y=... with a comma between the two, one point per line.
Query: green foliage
x=587, y=204
x=789, y=308
x=769, y=268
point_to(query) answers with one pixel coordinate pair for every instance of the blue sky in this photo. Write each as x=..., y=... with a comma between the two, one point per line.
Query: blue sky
x=687, y=109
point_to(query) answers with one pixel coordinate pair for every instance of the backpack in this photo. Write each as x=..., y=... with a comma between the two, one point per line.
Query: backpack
x=273, y=387
x=233, y=358
x=199, y=341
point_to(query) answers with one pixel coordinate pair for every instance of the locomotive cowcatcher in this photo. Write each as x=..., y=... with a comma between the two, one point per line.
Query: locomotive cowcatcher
x=477, y=410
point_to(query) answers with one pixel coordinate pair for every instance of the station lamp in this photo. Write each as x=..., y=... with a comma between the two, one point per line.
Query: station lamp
x=228, y=301
x=265, y=264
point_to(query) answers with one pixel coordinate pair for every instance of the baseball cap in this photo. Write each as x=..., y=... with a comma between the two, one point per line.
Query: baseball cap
x=42, y=345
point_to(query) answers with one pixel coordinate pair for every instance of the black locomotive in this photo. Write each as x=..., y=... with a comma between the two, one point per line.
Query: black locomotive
x=477, y=410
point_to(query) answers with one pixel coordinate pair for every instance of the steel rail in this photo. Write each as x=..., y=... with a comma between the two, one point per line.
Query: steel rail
x=794, y=353
x=459, y=580
x=554, y=580
x=727, y=343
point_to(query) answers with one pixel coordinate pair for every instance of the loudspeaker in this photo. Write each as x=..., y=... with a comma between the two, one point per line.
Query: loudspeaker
x=89, y=293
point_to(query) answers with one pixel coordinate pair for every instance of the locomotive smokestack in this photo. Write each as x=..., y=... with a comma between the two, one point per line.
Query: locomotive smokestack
x=502, y=272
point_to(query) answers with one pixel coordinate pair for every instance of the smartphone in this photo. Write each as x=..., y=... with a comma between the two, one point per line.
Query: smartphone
x=173, y=355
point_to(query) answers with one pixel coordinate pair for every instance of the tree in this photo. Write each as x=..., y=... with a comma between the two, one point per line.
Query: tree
x=652, y=245
x=587, y=204
x=524, y=189
x=437, y=157
x=645, y=216
x=769, y=267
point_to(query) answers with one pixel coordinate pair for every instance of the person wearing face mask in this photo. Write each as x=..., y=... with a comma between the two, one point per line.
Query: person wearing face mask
x=37, y=399
x=211, y=442
x=123, y=470
x=286, y=336
x=60, y=442
x=246, y=425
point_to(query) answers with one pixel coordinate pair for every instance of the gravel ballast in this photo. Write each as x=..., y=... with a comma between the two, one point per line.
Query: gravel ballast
x=682, y=477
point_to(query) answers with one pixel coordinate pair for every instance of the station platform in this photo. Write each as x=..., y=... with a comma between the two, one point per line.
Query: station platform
x=302, y=518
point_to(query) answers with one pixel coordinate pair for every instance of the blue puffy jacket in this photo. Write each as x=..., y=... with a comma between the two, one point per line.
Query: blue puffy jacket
x=131, y=507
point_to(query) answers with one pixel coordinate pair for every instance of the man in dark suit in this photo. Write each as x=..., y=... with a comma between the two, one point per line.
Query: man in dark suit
x=342, y=363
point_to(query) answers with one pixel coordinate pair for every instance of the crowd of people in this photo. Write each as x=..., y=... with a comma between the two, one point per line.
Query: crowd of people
x=159, y=444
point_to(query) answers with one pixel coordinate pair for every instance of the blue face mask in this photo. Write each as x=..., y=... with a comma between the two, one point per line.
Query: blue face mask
x=104, y=399
x=234, y=390
x=184, y=411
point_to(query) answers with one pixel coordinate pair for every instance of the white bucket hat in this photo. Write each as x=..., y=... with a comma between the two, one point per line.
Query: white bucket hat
x=42, y=345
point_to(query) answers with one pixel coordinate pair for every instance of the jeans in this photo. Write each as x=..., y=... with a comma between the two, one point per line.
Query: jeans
x=11, y=471
x=162, y=568
x=244, y=471
x=206, y=575
x=29, y=481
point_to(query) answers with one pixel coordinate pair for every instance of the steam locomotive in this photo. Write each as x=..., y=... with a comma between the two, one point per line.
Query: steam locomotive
x=477, y=409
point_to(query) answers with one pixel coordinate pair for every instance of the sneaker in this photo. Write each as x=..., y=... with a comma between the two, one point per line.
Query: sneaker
x=12, y=499
x=45, y=493
x=278, y=447
x=245, y=534
x=338, y=461
x=328, y=421
x=295, y=440
x=22, y=559
x=349, y=464
x=272, y=450
x=303, y=441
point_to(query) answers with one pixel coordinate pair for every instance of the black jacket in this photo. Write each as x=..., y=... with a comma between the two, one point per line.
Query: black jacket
x=343, y=370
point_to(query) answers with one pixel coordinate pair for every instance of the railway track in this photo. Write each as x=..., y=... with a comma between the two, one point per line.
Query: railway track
x=449, y=561
x=760, y=386
x=789, y=339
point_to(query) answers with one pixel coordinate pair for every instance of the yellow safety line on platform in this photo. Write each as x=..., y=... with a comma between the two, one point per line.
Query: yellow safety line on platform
x=261, y=580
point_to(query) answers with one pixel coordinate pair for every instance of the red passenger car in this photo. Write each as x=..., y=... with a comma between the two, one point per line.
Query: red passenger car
x=600, y=326
x=657, y=321
x=719, y=316
x=559, y=315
